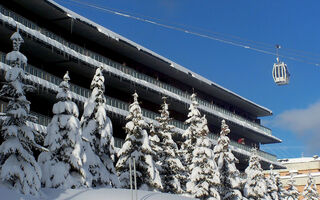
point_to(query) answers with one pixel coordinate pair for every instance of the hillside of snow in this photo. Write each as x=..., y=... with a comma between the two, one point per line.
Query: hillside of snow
x=89, y=194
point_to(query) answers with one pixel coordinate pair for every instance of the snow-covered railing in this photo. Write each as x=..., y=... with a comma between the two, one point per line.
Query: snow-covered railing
x=43, y=121
x=97, y=60
x=85, y=93
x=235, y=146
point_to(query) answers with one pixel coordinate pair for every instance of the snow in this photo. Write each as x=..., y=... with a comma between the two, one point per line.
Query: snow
x=274, y=185
x=63, y=139
x=166, y=151
x=255, y=185
x=300, y=160
x=89, y=193
x=96, y=126
x=138, y=148
x=117, y=72
x=292, y=191
x=310, y=190
x=230, y=176
x=115, y=36
x=19, y=169
x=50, y=86
x=204, y=180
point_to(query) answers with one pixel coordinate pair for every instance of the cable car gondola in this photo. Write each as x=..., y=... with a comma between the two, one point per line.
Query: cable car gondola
x=280, y=73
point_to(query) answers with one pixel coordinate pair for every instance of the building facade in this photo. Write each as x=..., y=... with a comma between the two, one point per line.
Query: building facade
x=58, y=40
x=300, y=168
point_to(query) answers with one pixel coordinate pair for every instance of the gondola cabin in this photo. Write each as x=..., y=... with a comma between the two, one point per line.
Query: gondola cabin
x=280, y=73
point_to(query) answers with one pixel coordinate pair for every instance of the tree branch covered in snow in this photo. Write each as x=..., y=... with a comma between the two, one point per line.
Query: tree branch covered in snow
x=190, y=136
x=292, y=191
x=137, y=147
x=310, y=190
x=96, y=126
x=274, y=186
x=204, y=179
x=169, y=161
x=229, y=174
x=62, y=166
x=18, y=167
x=255, y=186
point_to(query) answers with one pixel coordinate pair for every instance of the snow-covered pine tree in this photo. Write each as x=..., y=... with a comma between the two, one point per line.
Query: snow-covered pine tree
x=292, y=191
x=170, y=163
x=18, y=167
x=229, y=175
x=155, y=145
x=310, y=190
x=189, y=136
x=255, y=187
x=137, y=147
x=96, y=128
x=204, y=179
x=62, y=166
x=274, y=186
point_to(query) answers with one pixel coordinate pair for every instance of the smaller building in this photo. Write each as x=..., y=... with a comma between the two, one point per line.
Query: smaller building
x=300, y=167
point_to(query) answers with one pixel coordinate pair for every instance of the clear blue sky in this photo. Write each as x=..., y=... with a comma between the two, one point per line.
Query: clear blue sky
x=294, y=24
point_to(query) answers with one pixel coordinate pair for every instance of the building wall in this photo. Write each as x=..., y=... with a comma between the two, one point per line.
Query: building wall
x=301, y=167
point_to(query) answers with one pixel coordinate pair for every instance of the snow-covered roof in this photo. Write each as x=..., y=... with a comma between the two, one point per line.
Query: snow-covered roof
x=300, y=160
x=126, y=44
x=314, y=174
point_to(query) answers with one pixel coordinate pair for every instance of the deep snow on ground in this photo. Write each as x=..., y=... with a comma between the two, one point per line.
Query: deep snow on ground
x=88, y=194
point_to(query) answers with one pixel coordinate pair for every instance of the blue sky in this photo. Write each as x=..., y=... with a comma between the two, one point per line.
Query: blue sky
x=293, y=24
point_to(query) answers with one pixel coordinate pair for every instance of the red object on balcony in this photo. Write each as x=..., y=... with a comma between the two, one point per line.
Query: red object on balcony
x=241, y=140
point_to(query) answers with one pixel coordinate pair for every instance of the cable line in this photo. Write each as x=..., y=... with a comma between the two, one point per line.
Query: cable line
x=292, y=54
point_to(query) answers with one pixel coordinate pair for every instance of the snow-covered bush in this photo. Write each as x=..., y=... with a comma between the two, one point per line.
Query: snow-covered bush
x=98, y=145
x=229, y=174
x=255, y=185
x=18, y=167
x=62, y=166
x=310, y=190
x=170, y=163
x=137, y=147
x=204, y=179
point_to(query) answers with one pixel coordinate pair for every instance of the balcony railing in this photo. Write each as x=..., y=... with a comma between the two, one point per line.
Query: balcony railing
x=127, y=70
x=119, y=142
x=45, y=120
x=86, y=92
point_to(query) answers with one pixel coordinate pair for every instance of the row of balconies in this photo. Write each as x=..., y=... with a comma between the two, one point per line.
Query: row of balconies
x=129, y=71
x=114, y=103
x=45, y=120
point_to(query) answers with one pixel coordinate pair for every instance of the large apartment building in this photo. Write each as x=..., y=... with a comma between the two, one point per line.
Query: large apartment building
x=57, y=40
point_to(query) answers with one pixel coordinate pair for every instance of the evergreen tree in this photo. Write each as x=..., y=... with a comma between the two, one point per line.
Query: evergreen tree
x=274, y=186
x=18, y=167
x=155, y=145
x=229, y=174
x=310, y=190
x=255, y=187
x=189, y=136
x=292, y=191
x=204, y=178
x=137, y=147
x=170, y=164
x=96, y=128
x=62, y=166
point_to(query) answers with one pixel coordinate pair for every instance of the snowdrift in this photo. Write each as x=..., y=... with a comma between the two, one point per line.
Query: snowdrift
x=89, y=194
